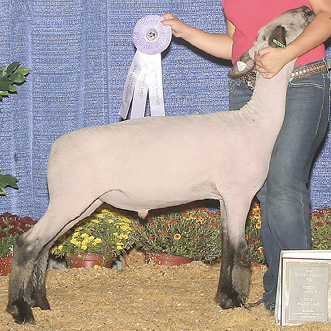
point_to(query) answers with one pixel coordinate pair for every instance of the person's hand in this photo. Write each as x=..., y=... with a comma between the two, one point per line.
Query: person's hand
x=269, y=61
x=178, y=27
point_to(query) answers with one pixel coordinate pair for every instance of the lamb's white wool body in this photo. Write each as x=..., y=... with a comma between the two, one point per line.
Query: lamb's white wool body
x=157, y=162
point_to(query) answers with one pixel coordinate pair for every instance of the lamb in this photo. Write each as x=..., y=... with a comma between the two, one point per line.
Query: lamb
x=157, y=162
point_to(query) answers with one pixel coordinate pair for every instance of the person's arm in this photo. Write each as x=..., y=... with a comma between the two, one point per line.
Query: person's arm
x=270, y=60
x=216, y=44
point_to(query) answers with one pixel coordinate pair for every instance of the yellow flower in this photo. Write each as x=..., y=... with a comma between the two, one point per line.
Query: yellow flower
x=84, y=247
x=115, y=234
x=97, y=240
x=177, y=236
x=60, y=247
x=258, y=225
x=96, y=267
x=110, y=221
x=76, y=242
x=95, y=221
x=102, y=216
x=106, y=211
x=75, y=234
x=84, y=235
x=91, y=238
x=79, y=228
x=125, y=228
x=125, y=219
x=85, y=242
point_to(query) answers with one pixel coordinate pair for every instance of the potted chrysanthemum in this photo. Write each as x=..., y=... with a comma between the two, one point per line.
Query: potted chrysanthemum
x=189, y=231
x=320, y=221
x=253, y=234
x=97, y=239
x=11, y=226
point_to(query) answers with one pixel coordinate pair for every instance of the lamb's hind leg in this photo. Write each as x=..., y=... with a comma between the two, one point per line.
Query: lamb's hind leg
x=38, y=293
x=236, y=267
x=22, y=282
x=27, y=278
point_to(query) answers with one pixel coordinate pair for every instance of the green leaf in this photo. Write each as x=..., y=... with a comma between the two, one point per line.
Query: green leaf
x=12, y=67
x=18, y=78
x=5, y=80
x=4, y=93
x=7, y=180
x=3, y=71
x=12, y=88
x=22, y=70
x=4, y=85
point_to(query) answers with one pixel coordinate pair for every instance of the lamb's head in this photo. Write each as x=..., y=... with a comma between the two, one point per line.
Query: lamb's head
x=281, y=31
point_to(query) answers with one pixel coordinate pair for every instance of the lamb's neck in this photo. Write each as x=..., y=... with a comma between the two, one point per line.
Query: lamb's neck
x=269, y=96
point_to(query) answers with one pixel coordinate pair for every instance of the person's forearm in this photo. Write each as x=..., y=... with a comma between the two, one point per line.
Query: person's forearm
x=317, y=32
x=216, y=44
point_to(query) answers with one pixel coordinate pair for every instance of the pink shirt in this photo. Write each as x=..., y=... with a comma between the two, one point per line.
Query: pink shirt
x=249, y=16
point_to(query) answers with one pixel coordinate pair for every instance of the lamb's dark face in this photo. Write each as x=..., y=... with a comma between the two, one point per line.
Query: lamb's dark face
x=284, y=29
x=294, y=21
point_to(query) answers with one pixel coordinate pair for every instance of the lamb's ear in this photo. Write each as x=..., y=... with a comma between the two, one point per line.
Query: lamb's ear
x=242, y=66
x=277, y=37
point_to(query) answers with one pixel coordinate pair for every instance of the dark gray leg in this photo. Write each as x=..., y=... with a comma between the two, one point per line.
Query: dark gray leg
x=236, y=267
x=20, y=283
x=235, y=276
x=38, y=295
x=27, y=278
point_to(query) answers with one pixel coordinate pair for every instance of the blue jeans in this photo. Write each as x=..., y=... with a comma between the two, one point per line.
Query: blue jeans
x=284, y=198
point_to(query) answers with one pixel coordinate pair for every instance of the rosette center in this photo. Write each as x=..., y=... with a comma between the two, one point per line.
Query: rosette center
x=152, y=35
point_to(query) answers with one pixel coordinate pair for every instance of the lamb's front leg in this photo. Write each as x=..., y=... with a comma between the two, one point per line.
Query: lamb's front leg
x=236, y=267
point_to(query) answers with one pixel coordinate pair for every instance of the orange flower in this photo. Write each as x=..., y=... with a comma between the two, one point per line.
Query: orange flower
x=260, y=249
x=258, y=225
x=166, y=224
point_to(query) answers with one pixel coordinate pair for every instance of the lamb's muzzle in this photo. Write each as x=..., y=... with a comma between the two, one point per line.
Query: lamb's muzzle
x=158, y=162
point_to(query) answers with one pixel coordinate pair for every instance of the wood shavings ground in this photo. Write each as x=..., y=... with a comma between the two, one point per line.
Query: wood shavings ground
x=147, y=297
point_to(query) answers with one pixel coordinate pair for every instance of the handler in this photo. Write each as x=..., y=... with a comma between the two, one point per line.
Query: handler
x=284, y=198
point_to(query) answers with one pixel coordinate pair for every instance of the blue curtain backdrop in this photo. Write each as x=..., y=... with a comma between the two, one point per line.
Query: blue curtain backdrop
x=79, y=53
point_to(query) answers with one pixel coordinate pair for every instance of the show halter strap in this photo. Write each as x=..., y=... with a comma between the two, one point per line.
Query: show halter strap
x=278, y=43
x=151, y=38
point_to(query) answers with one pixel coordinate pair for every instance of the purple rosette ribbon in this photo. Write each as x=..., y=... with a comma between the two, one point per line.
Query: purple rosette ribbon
x=151, y=38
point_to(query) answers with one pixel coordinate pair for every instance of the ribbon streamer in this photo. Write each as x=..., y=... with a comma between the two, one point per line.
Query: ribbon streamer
x=151, y=38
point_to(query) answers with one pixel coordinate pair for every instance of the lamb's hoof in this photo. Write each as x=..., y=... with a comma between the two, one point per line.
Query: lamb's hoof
x=42, y=303
x=22, y=312
x=227, y=302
